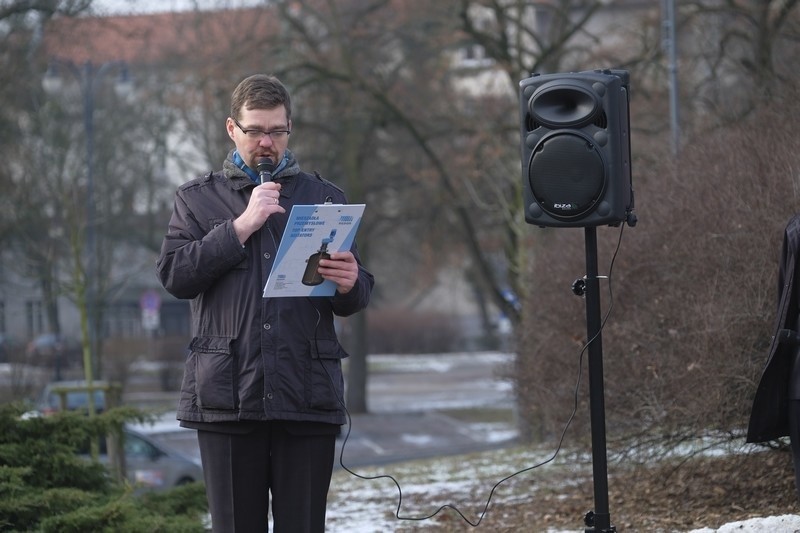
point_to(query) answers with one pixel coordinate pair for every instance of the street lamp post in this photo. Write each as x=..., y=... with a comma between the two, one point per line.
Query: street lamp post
x=87, y=75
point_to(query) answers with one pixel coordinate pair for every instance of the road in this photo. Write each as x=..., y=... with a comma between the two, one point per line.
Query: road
x=420, y=406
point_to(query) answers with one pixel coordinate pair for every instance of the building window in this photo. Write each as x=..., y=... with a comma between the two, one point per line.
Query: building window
x=123, y=320
x=34, y=318
x=471, y=54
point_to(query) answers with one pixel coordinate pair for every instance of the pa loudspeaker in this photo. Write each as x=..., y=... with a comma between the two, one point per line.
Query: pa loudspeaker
x=576, y=167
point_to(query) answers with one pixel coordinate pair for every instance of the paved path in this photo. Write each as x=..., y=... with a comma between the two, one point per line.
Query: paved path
x=415, y=405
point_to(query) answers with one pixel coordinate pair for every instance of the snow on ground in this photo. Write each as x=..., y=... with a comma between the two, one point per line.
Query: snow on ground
x=771, y=524
x=371, y=503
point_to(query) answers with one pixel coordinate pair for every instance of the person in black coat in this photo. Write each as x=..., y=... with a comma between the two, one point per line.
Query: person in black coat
x=776, y=406
x=263, y=383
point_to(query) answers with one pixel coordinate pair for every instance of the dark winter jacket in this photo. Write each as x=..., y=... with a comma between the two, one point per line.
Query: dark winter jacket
x=780, y=380
x=252, y=358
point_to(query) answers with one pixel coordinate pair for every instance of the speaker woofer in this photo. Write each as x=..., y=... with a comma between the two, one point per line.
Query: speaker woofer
x=567, y=176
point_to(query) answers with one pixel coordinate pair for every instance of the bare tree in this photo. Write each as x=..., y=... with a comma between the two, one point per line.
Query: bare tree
x=735, y=54
x=693, y=283
x=526, y=37
x=30, y=225
x=405, y=130
x=47, y=8
x=46, y=180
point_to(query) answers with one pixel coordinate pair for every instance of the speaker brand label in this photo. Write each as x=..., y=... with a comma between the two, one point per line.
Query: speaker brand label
x=565, y=207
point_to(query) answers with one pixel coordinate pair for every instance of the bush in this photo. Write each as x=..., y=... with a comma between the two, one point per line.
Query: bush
x=46, y=486
x=402, y=331
x=694, y=289
x=166, y=513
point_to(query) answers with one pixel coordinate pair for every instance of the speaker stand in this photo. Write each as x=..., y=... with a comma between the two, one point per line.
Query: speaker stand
x=599, y=520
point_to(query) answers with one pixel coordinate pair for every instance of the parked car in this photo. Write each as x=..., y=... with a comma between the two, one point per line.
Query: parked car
x=53, y=350
x=74, y=396
x=152, y=465
x=8, y=349
x=149, y=464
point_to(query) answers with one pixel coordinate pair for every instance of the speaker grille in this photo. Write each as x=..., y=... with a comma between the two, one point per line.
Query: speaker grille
x=567, y=175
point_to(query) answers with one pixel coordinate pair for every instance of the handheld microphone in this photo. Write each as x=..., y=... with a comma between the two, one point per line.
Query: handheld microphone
x=265, y=167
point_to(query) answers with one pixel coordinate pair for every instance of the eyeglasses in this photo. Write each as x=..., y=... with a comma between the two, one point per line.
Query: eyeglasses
x=258, y=135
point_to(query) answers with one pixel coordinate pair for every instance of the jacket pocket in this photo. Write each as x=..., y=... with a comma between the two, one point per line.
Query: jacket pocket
x=324, y=381
x=214, y=372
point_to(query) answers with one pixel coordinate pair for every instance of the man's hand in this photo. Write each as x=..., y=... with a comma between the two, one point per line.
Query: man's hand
x=263, y=203
x=342, y=269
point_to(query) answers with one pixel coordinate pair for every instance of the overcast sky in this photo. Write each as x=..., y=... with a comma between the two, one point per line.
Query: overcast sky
x=121, y=7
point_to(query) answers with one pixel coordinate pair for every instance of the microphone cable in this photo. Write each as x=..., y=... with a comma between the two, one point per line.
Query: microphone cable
x=550, y=459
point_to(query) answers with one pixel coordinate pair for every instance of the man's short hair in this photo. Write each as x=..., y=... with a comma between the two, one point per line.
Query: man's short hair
x=260, y=91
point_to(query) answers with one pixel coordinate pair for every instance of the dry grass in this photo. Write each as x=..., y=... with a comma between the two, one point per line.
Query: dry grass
x=701, y=492
x=667, y=497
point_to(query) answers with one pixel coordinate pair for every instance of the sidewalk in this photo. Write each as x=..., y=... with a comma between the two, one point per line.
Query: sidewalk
x=420, y=407
x=391, y=437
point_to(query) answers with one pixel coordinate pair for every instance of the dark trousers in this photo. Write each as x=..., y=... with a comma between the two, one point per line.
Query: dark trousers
x=290, y=460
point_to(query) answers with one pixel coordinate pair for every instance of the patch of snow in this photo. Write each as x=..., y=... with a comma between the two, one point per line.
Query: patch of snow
x=417, y=440
x=773, y=524
x=165, y=423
